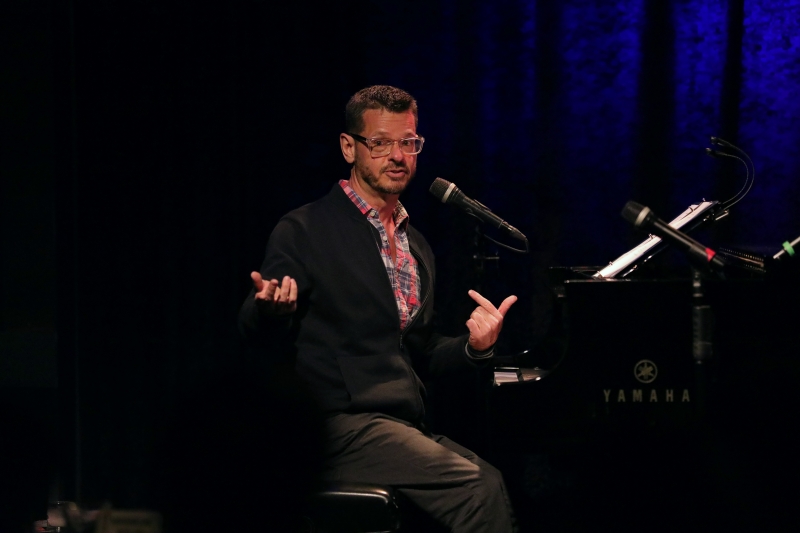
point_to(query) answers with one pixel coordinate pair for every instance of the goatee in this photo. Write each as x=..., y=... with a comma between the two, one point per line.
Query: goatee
x=393, y=187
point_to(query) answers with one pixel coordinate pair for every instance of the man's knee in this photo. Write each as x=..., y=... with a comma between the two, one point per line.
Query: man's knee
x=489, y=474
x=489, y=481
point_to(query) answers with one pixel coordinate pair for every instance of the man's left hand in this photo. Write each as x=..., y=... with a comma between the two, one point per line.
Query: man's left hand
x=486, y=321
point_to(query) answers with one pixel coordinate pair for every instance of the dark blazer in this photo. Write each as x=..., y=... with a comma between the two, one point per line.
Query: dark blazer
x=345, y=336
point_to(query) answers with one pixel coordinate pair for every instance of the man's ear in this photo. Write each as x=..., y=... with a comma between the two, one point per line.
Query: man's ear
x=348, y=146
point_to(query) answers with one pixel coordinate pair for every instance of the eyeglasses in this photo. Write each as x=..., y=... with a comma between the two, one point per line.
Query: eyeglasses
x=383, y=147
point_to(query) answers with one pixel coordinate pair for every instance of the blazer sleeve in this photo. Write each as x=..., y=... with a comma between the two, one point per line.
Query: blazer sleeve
x=285, y=256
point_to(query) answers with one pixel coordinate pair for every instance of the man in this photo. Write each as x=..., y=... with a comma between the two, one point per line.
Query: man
x=347, y=287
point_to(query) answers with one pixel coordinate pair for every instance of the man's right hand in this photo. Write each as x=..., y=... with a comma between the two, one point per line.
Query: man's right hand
x=274, y=297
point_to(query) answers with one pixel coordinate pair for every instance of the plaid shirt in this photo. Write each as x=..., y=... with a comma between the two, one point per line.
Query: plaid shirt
x=404, y=274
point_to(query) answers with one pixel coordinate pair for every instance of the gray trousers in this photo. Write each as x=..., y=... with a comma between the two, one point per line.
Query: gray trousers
x=448, y=481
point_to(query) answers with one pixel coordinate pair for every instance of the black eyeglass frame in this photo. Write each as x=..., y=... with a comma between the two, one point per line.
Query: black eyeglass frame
x=366, y=142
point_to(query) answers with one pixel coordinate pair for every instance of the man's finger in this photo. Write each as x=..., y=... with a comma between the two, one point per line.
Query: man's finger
x=286, y=287
x=488, y=316
x=268, y=290
x=483, y=318
x=483, y=302
x=506, y=305
x=258, y=283
x=293, y=291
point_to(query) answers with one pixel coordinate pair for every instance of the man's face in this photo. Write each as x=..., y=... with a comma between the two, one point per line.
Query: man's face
x=389, y=174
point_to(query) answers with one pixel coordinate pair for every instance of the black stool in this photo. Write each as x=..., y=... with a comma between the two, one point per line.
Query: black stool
x=353, y=508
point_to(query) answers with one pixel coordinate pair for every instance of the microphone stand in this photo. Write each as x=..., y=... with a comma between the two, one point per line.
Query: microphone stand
x=704, y=432
x=485, y=375
x=480, y=258
x=702, y=342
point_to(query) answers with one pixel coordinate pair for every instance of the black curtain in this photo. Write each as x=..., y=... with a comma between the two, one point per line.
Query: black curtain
x=184, y=130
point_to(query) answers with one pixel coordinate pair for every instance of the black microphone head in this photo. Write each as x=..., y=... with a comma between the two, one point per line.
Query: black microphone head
x=442, y=189
x=720, y=142
x=636, y=213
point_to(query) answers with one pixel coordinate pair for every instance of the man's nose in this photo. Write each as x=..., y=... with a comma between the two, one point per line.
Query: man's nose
x=396, y=154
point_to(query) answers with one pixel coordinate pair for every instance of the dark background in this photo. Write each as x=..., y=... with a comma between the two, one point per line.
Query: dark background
x=148, y=148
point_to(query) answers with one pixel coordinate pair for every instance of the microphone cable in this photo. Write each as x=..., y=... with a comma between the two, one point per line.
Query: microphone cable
x=750, y=170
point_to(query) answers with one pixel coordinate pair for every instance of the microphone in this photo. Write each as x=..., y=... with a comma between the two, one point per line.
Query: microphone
x=716, y=153
x=643, y=218
x=448, y=193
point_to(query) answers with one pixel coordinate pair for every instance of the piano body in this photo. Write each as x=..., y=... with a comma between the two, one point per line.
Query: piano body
x=629, y=416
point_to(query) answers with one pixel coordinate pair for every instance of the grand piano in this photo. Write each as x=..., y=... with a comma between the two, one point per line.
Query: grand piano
x=653, y=407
